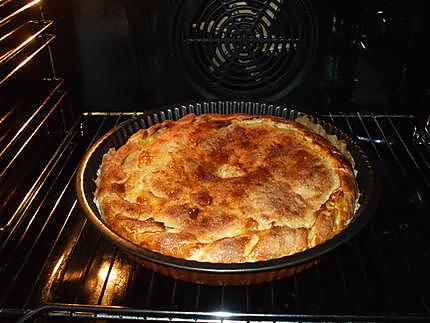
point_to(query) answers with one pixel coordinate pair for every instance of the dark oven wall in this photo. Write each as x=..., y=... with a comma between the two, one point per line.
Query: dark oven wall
x=320, y=55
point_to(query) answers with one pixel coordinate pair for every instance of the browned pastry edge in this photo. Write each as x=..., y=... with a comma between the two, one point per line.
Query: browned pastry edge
x=252, y=243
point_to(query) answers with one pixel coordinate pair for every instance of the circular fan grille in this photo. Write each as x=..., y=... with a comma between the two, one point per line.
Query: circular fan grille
x=252, y=48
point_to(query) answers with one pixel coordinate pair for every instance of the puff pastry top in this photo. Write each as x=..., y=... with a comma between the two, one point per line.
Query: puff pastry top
x=227, y=188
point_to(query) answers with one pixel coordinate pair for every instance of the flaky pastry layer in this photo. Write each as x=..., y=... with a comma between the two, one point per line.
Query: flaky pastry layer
x=227, y=188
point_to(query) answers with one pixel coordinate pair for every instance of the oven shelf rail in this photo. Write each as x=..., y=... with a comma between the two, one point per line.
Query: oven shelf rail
x=124, y=313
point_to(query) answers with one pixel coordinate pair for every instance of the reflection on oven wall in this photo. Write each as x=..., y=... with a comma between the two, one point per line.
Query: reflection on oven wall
x=331, y=56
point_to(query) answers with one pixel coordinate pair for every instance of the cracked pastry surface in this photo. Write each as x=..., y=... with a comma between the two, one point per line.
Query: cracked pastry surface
x=227, y=188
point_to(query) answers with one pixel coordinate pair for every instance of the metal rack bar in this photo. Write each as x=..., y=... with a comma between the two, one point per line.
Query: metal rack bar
x=32, y=97
x=45, y=43
x=356, y=245
x=87, y=268
x=247, y=298
x=41, y=231
x=149, y=291
x=319, y=283
x=51, y=250
x=364, y=273
x=4, y=297
x=34, y=215
x=97, y=133
x=72, y=250
x=55, y=106
x=222, y=296
x=173, y=293
x=424, y=159
x=398, y=243
x=42, y=26
x=338, y=261
x=272, y=295
x=406, y=261
x=402, y=168
x=379, y=250
x=409, y=152
x=120, y=282
x=95, y=248
x=197, y=302
x=296, y=292
x=31, y=118
x=27, y=256
x=93, y=283
x=99, y=301
x=6, y=115
x=18, y=11
x=408, y=181
x=353, y=115
x=43, y=175
x=343, y=280
x=119, y=312
x=37, y=184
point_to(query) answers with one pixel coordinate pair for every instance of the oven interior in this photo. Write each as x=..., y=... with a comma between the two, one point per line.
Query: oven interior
x=71, y=70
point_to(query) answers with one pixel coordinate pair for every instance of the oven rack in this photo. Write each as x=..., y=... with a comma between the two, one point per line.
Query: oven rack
x=53, y=263
x=33, y=100
x=10, y=10
x=24, y=35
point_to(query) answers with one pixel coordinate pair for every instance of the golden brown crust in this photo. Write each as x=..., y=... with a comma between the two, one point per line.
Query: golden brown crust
x=227, y=188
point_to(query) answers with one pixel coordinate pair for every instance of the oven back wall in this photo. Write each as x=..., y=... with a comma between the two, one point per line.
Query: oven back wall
x=135, y=55
x=96, y=52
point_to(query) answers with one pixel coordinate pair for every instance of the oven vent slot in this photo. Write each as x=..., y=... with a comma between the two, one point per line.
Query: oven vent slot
x=245, y=48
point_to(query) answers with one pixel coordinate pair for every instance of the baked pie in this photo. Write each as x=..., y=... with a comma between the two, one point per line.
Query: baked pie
x=228, y=188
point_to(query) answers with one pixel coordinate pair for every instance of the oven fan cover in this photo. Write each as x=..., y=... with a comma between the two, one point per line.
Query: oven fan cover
x=235, y=48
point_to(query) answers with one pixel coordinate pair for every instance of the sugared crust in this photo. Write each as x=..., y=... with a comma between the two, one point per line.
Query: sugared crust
x=227, y=188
